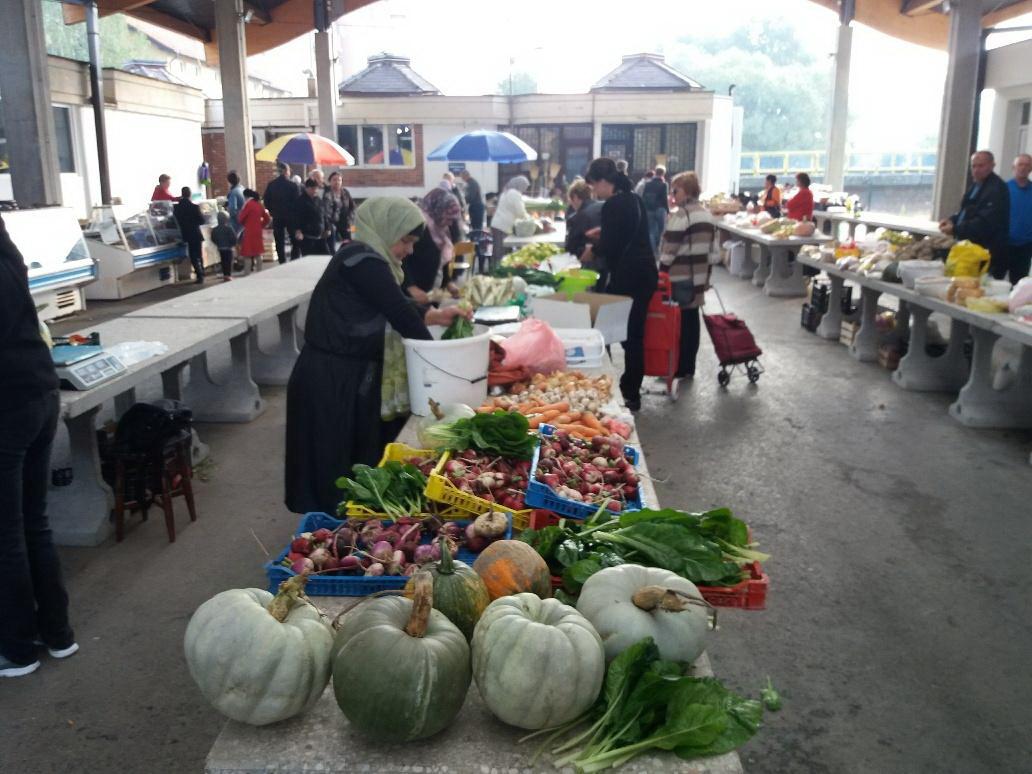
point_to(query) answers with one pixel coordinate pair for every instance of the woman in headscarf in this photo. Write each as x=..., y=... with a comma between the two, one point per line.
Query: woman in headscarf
x=348, y=393
x=510, y=209
x=424, y=269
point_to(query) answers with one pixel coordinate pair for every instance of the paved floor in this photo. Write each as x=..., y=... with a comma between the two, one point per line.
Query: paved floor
x=897, y=628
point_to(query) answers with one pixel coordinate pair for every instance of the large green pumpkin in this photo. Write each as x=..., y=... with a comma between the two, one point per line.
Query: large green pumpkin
x=459, y=592
x=537, y=662
x=400, y=669
x=258, y=658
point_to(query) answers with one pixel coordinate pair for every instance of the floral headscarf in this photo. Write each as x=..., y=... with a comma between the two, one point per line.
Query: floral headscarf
x=441, y=209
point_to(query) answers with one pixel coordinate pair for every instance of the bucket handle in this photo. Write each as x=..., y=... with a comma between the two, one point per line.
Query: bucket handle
x=453, y=376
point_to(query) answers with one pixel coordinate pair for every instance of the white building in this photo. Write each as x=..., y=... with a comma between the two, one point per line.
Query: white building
x=1007, y=103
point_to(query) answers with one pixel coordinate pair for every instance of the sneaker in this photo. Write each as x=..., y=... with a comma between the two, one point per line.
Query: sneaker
x=10, y=669
x=64, y=652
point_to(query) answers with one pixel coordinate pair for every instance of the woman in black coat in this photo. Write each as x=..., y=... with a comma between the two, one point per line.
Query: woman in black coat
x=309, y=228
x=624, y=246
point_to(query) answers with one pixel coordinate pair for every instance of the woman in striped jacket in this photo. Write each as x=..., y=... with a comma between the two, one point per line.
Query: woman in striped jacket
x=686, y=252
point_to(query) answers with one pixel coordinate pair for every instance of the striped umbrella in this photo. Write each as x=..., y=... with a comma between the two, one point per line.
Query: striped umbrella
x=305, y=148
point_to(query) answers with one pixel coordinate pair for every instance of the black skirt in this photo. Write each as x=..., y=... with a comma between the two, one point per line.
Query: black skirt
x=333, y=422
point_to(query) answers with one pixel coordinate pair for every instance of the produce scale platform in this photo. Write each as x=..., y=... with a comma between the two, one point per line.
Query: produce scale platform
x=322, y=740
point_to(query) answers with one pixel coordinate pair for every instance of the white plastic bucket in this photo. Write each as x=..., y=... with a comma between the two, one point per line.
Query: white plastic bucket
x=452, y=371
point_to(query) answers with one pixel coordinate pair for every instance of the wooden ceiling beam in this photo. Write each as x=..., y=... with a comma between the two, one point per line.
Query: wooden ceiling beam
x=916, y=7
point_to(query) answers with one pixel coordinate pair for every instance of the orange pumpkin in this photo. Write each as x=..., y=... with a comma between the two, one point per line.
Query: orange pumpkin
x=510, y=567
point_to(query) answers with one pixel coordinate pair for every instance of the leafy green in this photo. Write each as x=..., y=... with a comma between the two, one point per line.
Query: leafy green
x=771, y=698
x=395, y=489
x=530, y=276
x=460, y=328
x=501, y=432
x=647, y=704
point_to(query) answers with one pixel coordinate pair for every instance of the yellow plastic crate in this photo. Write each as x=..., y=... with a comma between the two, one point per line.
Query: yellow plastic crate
x=399, y=452
x=441, y=490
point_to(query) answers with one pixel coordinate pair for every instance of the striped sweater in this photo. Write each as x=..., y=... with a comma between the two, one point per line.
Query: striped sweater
x=689, y=244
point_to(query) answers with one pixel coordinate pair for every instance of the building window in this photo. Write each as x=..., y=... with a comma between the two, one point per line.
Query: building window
x=63, y=132
x=644, y=146
x=379, y=145
x=564, y=151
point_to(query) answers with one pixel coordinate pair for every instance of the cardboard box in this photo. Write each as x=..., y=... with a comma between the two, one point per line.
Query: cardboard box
x=848, y=332
x=605, y=312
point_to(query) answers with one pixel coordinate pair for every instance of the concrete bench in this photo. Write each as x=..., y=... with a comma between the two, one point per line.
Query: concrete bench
x=776, y=272
x=79, y=511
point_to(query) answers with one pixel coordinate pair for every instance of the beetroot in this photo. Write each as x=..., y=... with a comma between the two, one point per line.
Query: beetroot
x=301, y=545
x=475, y=542
x=303, y=565
x=321, y=535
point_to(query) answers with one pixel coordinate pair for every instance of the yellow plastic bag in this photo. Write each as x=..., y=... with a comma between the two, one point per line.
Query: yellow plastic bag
x=966, y=259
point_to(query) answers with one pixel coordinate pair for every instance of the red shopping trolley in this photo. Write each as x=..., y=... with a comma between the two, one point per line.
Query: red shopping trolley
x=663, y=336
x=733, y=343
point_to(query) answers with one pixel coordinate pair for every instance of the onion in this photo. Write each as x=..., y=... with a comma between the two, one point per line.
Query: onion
x=491, y=525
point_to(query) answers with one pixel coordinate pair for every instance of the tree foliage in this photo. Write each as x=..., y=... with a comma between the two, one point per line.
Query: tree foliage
x=517, y=83
x=118, y=42
x=785, y=90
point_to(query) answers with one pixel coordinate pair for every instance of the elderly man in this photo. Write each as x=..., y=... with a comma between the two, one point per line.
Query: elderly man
x=984, y=215
x=1020, y=242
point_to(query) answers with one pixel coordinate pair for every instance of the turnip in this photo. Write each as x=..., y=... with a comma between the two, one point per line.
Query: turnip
x=300, y=545
x=303, y=565
x=455, y=468
x=491, y=525
x=451, y=530
x=475, y=542
x=397, y=563
x=350, y=564
x=374, y=569
x=382, y=551
x=600, y=462
x=319, y=557
x=424, y=553
x=321, y=535
x=293, y=556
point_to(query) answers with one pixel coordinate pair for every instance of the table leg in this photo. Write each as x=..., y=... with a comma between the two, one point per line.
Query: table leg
x=237, y=400
x=921, y=372
x=79, y=513
x=831, y=322
x=172, y=387
x=759, y=276
x=273, y=367
x=124, y=400
x=865, y=345
x=979, y=405
x=786, y=276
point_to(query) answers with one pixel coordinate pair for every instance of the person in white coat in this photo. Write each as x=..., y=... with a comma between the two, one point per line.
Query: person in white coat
x=510, y=209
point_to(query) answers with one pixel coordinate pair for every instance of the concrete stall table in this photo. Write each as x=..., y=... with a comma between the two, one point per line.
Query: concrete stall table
x=255, y=302
x=777, y=273
x=829, y=222
x=323, y=740
x=311, y=267
x=79, y=511
x=557, y=237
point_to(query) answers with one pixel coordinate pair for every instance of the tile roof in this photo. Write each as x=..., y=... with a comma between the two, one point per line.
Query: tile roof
x=646, y=71
x=387, y=74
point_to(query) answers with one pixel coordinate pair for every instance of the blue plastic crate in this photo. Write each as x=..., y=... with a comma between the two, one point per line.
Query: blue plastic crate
x=542, y=496
x=347, y=585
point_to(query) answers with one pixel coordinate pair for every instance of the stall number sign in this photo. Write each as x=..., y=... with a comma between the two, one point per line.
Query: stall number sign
x=456, y=166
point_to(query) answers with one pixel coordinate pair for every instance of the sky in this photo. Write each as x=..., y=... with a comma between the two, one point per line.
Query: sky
x=466, y=46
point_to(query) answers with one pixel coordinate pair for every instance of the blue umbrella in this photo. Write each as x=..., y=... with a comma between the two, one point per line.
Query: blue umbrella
x=484, y=145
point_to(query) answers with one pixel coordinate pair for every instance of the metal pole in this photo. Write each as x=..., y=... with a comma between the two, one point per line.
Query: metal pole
x=97, y=97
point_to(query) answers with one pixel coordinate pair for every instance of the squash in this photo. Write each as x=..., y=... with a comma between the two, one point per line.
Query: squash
x=258, y=658
x=511, y=567
x=627, y=603
x=400, y=668
x=805, y=228
x=459, y=592
x=537, y=662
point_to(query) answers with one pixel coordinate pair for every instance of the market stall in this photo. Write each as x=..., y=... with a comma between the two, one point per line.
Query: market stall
x=60, y=266
x=562, y=596
x=777, y=242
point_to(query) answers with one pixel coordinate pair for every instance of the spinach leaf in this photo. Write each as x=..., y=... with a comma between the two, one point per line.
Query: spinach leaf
x=577, y=573
x=721, y=524
x=460, y=328
x=666, y=515
x=744, y=718
x=673, y=548
x=568, y=552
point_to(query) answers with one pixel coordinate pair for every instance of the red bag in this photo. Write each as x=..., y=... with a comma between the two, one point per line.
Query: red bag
x=731, y=338
x=662, y=332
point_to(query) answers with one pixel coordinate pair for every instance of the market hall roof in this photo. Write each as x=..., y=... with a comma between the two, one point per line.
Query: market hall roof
x=387, y=75
x=646, y=71
x=272, y=22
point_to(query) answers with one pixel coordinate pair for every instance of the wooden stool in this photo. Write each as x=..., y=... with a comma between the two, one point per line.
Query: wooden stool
x=158, y=475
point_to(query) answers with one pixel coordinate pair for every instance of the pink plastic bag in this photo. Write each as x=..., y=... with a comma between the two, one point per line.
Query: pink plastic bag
x=1021, y=295
x=536, y=346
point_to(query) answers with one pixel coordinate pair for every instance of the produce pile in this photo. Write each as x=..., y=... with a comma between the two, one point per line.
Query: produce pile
x=926, y=249
x=501, y=480
x=482, y=290
x=499, y=433
x=596, y=472
x=529, y=275
x=531, y=256
x=395, y=489
x=373, y=547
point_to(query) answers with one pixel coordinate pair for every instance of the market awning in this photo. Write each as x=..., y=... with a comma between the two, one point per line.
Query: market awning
x=924, y=22
x=271, y=23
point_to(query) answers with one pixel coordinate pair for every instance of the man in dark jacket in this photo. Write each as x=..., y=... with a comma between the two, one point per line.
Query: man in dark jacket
x=984, y=216
x=475, y=200
x=33, y=600
x=280, y=197
x=656, y=196
x=189, y=219
x=307, y=227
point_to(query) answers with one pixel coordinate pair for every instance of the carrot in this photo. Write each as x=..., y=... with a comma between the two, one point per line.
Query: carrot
x=535, y=422
x=590, y=420
x=561, y=406
x=581, y=430
x=486, y=409
x=562, y=419
x=575, y=417
x=548, y=416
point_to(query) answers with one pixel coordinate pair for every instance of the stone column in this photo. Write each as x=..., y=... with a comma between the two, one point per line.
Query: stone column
x=325, y=86
x=835, y=165
x=28, y=114
x=958, y=106
x=236, y=111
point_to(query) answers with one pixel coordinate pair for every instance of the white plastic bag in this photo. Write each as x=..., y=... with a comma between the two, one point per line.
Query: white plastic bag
x=1021, y=295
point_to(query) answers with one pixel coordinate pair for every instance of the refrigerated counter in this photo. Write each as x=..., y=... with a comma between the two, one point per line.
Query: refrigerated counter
x=60, y=265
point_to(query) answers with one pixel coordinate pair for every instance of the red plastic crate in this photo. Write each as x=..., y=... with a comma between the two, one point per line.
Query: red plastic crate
x=750, y=594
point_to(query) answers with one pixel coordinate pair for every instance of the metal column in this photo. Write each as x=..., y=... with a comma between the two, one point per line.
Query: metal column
x=97, y=97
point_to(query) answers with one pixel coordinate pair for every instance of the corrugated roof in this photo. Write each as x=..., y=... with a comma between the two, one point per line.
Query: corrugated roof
x=387, y=74
x=646, y=71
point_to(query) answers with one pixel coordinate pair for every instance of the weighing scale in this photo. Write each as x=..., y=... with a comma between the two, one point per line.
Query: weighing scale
x=84, y=366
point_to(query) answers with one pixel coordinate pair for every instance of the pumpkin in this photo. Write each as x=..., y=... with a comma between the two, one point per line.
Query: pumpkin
x=805, y=228
x=536, y=662
x=511, y=567
x=400, y=668
x=627, y=603
x=459, y=592
x=258, y=658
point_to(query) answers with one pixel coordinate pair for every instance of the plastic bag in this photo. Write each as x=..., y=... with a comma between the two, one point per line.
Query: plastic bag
x=536, y=346
x=1021, y=295
x=966, y=259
